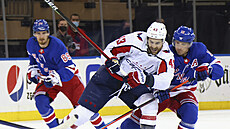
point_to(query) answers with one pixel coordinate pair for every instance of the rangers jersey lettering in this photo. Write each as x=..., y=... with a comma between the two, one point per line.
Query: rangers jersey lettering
x=185, y=67
x=53, y=57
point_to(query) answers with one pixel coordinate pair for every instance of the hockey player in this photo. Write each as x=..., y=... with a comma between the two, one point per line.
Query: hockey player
x=192, y=59
x=147, y=60
x=52, y=69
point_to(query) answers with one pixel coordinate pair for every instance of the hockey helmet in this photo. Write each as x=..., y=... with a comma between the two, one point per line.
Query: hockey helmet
x=40, y=25
x=157, y=31
x=183, y=34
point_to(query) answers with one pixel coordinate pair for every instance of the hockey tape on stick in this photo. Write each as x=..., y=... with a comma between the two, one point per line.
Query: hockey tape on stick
x=127, y=113
x=14, y=125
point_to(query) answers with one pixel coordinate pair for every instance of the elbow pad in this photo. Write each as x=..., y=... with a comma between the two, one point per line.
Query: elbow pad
x=216, y=72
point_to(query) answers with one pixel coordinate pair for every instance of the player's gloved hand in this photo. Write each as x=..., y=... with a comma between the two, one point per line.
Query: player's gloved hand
x=113, y=64
x=136, y=78
x=52, y=79
x=33, y=73
x=139, y=77
x=202, y=72
x=48, y=82
x=162, y=95
x=35, y=79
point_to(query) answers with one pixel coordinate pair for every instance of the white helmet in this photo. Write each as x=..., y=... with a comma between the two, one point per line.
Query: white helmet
x=157, y=31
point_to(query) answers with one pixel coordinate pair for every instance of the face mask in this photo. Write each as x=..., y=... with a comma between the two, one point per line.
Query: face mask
x=76, y=24
x=63, y=28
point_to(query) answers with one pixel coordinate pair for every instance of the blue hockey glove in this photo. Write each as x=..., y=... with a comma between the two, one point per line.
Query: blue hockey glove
x=34, y=79
x=52, y=80
x=48, y=82
x=202, y=73
x=162, y=95
x=113, y=64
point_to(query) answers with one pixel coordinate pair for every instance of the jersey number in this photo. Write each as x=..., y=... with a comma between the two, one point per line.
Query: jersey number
x=121, y=40
x=171, y=63
x=65, y=57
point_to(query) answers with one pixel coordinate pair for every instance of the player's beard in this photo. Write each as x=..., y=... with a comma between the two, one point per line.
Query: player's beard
x=154, y=51
x=43, y=41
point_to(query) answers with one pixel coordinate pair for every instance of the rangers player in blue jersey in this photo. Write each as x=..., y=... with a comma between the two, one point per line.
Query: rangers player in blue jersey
x=192, y=60
x=52, y=69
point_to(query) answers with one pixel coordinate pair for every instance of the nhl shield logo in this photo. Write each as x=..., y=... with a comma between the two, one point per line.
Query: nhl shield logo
x=15, y=83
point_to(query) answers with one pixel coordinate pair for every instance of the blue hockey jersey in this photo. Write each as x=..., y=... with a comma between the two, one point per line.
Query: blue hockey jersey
x=185, y=67
x=54, y=57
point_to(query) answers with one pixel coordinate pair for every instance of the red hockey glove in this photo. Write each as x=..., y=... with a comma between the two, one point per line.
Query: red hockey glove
x=202, y=73
x=136, y=78
x=112, y=64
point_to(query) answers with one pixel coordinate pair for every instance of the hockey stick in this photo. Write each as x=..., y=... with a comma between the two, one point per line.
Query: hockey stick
x=55, y=8
x=127, y=113
x=14, y=125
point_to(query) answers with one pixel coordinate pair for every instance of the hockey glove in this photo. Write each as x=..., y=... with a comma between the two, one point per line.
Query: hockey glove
x=112, y=64
x=52, y=80
x=33, y=73
x=162, y=95
x=202, y=72
x=138, y=77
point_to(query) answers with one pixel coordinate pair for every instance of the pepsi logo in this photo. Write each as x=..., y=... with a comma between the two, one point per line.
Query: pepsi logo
x=15, y=83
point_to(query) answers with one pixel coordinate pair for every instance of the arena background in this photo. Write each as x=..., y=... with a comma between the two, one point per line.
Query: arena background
x=103, y=21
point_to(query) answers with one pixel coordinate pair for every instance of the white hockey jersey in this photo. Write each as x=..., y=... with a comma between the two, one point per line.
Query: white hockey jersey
x=131, y=50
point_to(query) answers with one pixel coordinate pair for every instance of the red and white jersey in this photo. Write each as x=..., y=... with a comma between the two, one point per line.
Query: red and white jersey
x=131, y=50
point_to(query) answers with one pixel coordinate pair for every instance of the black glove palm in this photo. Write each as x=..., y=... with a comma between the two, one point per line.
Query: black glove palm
x=113, y=64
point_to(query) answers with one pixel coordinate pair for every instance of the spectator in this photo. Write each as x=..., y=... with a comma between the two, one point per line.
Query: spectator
x=80, y=43
x=63, y=36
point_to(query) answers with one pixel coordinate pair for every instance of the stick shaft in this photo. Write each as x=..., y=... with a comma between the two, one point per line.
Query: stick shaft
x=127, y=113
x=14, y=125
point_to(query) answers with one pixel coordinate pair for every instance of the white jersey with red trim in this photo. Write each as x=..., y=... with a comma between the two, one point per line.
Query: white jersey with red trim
x=131, y=50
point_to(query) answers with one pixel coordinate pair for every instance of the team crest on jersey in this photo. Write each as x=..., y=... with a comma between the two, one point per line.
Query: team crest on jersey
x=41, y=51
x=194, y=63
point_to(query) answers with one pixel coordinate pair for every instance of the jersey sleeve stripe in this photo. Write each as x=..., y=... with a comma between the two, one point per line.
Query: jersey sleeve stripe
x=123, y=49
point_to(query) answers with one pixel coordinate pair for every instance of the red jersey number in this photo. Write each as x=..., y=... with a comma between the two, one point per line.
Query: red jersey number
x=121, y=40
x=171, y=63
x=65, y=57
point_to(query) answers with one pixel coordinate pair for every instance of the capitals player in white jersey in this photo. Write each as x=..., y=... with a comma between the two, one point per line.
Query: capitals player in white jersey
x=192, y=60
x=52, y=69
x=148, y=62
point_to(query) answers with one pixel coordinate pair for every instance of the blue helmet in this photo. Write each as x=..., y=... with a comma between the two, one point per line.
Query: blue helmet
x=40, y=25
x=184, y=34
